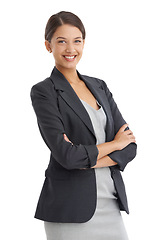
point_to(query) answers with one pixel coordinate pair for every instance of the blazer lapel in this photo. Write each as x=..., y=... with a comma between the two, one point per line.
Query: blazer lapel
x=100, y=95
x=70, y=97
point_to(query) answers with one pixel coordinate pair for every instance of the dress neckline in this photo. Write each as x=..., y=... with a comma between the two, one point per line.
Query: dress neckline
x=100, y=107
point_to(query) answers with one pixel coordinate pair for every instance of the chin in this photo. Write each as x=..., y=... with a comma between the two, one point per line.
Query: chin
x=68, y=66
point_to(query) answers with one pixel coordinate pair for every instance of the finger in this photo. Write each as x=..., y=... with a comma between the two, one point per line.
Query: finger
x=65, y=137
x=128, y=132
x=133, y=139
x=123, y=127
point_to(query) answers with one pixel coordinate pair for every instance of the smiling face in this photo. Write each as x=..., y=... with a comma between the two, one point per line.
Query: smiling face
x=67, y=46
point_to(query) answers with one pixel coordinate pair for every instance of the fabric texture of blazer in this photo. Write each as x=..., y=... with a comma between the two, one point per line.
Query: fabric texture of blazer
x=69, y=191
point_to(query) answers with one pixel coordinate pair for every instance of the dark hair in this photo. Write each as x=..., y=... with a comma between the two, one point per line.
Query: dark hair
x=61, y=18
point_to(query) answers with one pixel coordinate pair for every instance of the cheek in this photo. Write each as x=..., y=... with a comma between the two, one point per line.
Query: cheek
x=80, y=50
x=57, y=50
x=56, y=53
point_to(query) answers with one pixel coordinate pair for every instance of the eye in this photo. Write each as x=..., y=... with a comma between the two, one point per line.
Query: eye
x=78, y=41
x=61, y=41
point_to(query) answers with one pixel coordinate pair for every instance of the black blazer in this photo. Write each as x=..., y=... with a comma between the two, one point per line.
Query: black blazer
x=69, y=192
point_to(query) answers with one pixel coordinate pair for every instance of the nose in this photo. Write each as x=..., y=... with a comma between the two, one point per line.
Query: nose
x=70, y=48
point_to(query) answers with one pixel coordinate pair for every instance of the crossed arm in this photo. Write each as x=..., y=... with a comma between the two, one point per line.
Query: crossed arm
x=119, y=151
x=122, y=139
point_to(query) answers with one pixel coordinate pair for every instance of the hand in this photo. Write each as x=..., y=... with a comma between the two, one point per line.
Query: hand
x=124, y=138
x=67, y=139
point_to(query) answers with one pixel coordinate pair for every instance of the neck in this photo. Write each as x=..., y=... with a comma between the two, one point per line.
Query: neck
x=70, y=74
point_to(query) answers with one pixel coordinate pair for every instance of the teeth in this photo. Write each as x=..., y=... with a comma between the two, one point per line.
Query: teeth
x=69, y=57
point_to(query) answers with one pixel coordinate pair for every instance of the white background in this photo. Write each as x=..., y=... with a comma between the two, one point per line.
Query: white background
x=123, y=48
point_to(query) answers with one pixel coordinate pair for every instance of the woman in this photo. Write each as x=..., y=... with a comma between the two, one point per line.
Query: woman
x=89, y=140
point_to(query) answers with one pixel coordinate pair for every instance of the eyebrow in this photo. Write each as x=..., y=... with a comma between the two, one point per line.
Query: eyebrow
x=65, y=38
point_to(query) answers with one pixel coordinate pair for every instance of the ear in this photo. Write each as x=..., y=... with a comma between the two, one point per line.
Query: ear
x=48, y=46
x=83, y=42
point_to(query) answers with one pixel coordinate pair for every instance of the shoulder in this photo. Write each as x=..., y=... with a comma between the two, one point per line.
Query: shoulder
x=45, y=86
x=99, y=83
x=95, y=81
x=46, y=83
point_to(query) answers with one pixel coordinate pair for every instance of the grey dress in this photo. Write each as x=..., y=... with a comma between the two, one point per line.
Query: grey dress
x=106, y=223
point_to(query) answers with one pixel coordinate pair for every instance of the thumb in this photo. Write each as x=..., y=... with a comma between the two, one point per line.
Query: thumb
x=122, y=129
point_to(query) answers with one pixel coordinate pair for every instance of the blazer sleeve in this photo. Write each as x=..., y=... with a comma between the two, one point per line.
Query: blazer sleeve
x=124, y=156
x=50, y=122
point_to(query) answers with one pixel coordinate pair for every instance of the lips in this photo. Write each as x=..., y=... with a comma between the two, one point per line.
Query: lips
x=69, y=57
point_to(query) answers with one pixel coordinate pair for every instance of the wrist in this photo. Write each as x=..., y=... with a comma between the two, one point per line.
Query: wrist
x=115, y=145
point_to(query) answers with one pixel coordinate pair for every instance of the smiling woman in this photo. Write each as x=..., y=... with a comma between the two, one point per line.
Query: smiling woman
x=89, y=140
x=75, y=41
x=67, y=45
x=65, y=35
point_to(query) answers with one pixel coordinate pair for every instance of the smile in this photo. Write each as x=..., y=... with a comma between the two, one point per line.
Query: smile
x=69, y=57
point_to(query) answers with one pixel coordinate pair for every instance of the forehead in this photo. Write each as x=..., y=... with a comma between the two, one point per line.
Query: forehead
x=67, y=31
